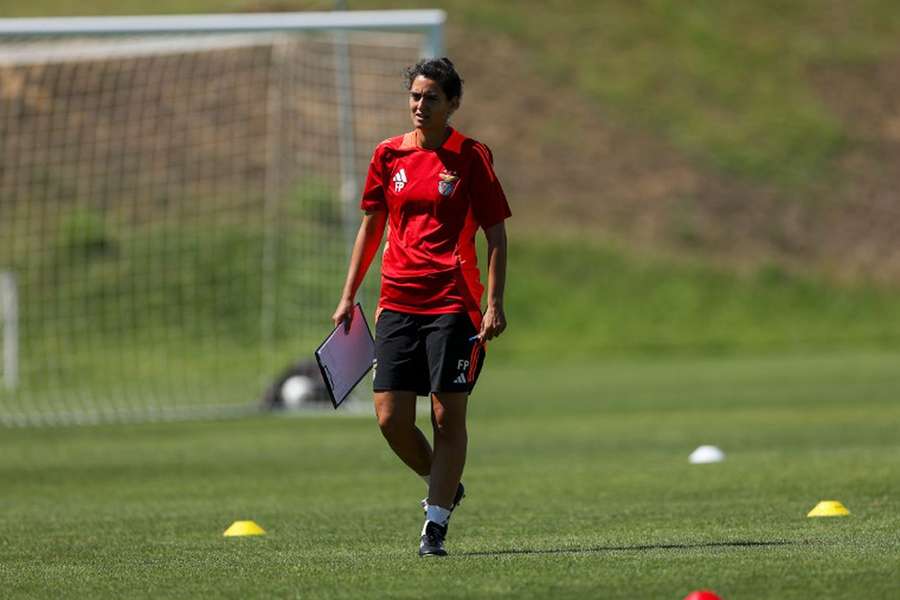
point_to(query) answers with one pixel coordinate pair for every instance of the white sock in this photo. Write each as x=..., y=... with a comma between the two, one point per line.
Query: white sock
x=426, y=479
x=437, y=514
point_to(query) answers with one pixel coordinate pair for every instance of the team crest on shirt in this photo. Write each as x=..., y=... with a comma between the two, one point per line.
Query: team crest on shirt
x=447, y=183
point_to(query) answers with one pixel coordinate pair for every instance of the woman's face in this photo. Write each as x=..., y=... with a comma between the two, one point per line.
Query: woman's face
x=429, y=106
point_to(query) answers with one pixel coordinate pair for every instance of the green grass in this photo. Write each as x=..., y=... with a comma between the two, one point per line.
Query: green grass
x=176, y=313
x=578, y=487
x=578, y=482
x=192, y=336
x=571, y=298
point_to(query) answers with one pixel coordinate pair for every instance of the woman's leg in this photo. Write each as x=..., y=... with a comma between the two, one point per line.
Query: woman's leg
x=448, y=417
x=396, y=412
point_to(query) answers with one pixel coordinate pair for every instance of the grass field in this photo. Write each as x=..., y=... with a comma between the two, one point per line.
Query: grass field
x=619, y=360
x=578, y=483
x=195, y=340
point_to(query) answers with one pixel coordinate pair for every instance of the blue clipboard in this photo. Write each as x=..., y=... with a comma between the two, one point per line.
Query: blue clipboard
x=344, y=357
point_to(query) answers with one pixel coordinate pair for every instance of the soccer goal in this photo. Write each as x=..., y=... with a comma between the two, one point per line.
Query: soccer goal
x=177, y=199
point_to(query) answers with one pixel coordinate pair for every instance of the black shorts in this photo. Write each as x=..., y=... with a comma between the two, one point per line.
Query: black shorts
x=426, y=353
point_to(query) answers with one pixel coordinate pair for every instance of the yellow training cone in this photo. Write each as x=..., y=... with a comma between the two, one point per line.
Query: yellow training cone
x=829, y=508
x=244, y=528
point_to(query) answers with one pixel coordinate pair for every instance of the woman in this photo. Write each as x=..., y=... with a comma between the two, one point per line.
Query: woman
x=433, y=187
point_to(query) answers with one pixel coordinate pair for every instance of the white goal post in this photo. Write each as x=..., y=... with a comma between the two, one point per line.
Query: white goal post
x=431, y=22
x=9, y=321
x=177, y=195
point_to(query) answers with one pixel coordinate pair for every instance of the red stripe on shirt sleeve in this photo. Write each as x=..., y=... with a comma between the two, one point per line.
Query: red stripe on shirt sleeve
x=489, y=204
x=373, y=198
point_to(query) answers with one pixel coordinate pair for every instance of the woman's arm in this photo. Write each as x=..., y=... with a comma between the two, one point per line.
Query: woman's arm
x=494, y=321
x=371, y=230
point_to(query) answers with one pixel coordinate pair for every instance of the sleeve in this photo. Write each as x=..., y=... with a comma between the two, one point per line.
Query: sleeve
x=489, y=205
x=373, y=198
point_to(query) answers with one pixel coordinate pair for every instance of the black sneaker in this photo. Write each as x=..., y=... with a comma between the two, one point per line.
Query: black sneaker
x=432, y=543
x=460, y=494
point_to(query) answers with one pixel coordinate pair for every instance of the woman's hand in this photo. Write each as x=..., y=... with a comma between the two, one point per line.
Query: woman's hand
x=492, y=323
x=343, y=313
x=368, y=238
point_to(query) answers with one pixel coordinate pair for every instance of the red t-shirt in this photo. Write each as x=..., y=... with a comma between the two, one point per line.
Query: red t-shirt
x=436, y=201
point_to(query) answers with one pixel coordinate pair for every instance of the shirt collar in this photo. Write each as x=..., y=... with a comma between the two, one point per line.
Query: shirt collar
x=453, y=143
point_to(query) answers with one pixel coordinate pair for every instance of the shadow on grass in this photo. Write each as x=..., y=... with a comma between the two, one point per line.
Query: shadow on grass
x=641, y=547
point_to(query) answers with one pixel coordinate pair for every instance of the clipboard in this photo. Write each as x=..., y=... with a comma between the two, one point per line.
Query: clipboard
x=344, y=357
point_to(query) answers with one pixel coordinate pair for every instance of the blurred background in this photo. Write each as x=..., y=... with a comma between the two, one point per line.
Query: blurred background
x=686, y=179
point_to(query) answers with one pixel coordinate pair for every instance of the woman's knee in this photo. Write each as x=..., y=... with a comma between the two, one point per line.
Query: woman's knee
x=395, y=412
x=392, y=423
x=448, y=417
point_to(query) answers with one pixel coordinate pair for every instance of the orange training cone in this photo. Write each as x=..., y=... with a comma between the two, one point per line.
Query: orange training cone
x=702, y=595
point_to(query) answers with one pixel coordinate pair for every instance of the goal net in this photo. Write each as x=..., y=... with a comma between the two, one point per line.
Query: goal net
x=178, y=197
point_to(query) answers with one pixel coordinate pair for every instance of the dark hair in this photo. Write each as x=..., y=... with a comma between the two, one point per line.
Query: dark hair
x=440, y=70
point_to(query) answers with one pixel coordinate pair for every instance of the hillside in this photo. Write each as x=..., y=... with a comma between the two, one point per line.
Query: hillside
x=744, y=134
x=804, y=175
x=704, y=182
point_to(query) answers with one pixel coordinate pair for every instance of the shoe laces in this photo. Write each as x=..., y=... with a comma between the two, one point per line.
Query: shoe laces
x=434, y=534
